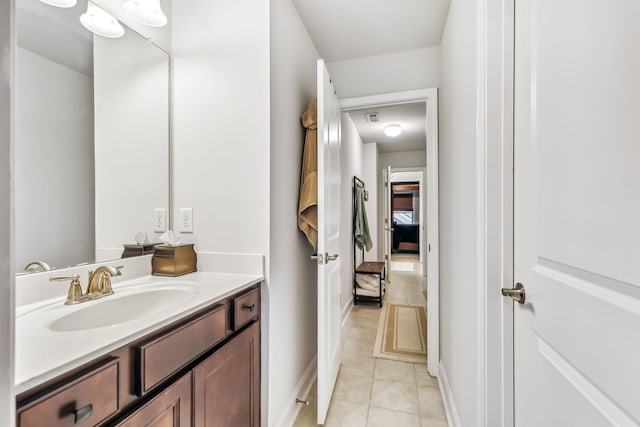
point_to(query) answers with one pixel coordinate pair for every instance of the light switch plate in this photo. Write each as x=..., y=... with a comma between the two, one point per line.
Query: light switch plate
x=160, y=220
x=185, y=223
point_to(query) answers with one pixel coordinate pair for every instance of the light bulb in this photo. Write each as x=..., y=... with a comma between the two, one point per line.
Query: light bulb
x=60, y=3
x=100, y=22
x=393, y=130
x=147, y=12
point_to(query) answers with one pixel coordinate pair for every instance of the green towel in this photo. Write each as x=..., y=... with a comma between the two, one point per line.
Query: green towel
x=361, y=225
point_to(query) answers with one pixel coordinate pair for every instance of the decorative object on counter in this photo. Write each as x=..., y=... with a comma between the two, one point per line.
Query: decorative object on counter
x=308, y=201
x=141, y=238
x=169, y=238
x=131, y=250
x=173, y=260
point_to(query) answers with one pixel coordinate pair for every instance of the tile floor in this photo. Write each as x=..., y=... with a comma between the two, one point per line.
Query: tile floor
x=373, y=392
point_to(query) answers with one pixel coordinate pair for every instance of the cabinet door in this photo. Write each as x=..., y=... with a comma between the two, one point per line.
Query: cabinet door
x=171, y=408
x=227, y=384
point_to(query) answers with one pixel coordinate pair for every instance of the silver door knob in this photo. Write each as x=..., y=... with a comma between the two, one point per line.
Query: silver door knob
x=318, y=258
x=517, y=293
x=330, y=257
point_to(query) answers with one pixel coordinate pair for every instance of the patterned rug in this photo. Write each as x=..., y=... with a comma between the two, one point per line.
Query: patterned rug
x=402, y=333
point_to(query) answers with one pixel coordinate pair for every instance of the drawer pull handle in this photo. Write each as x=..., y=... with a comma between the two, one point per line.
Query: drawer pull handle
x=83, y=413
x=248, y=307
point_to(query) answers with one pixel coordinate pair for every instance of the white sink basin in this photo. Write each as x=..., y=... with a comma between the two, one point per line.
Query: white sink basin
x=123, y=306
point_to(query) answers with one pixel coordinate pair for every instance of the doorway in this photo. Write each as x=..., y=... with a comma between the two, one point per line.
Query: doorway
x=431, y=243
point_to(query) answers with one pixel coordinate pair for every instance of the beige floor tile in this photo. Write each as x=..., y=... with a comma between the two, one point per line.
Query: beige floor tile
x=364, y=322
x=434, y=422
x=396, y=300
x=357, y=365
x=346, y=414
x=353, y=389
x=358, y=347
x=394, y=395
x=431, y=402
x=422, y=376
x=392, y=370
x=357, y=332
x=380, y=417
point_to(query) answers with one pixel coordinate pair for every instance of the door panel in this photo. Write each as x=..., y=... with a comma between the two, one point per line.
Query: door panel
x=329, y=310
x=388, y=223
x=577, y=213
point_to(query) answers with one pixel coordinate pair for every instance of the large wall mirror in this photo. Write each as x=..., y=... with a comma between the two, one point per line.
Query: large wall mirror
x=91, y=138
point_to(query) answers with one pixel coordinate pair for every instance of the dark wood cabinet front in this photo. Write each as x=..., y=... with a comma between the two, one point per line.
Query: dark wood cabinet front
x=171, y=408
x=202, y=370
x=227, y=384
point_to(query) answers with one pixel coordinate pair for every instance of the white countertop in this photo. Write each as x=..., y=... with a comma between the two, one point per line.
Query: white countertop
x=42, y=353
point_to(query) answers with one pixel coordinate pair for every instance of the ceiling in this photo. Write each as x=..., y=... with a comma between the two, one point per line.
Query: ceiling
x=348, y=29
x=411, y=117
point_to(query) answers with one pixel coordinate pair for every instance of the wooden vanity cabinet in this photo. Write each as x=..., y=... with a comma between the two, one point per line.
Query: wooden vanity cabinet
x=203, y=370
x=171, y=408
x=226, y=385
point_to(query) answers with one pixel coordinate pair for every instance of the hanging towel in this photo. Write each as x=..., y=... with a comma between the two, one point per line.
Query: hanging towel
x=308, y=202
x=361, y=225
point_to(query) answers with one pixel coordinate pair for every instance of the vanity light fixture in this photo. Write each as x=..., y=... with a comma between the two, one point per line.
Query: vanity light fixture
x=147, y=12
x=393, y=130
x=100, y=22
x=60, y=3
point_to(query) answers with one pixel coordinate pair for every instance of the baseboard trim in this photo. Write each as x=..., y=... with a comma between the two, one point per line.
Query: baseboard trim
x=346, y=312
x=447, y=398
x=301, y=391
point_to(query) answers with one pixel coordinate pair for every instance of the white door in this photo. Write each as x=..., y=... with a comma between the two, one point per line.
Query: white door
x=329, y=343
x=388, y=222
x=577, y=213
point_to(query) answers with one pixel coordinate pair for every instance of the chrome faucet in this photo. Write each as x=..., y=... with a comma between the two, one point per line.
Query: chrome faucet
x=36, y=266
x=99, y=284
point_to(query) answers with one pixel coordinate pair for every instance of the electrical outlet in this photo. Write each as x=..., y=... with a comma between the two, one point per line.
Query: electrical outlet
x=185, y=222
x=160, y=220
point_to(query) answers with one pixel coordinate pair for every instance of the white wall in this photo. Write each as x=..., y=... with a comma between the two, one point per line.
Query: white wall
x=7, y=52
x=370, y=177
x=131, y=85
x=292, y=291
x=221, y=122
x=394, y=72
x=458, y=210
x=403, y=159
x=350, y=165
x=54, y=163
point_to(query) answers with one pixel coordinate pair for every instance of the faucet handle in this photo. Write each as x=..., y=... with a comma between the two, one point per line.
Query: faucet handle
x=74, y=294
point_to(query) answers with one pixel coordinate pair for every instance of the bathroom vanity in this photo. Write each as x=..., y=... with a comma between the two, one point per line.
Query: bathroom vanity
x=199, y=366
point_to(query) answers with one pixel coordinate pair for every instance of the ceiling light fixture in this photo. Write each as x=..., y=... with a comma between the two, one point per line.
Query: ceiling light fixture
x=60, y=3
x=393, y=130
x=100, y=22
x=147, y=12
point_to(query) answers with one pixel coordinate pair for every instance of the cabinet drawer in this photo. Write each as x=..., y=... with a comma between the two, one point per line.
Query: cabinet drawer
x=246, y=307
x=84, y=402
x=164, y=355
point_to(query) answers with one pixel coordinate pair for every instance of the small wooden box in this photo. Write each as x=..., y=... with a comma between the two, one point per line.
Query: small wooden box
x=173, y=260
x=134, y=249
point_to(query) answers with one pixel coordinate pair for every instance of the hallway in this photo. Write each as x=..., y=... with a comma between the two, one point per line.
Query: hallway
x=375, y=392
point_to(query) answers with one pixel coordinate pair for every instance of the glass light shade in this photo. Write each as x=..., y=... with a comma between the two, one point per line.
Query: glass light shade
x=147, y=12
x=60, y=3
x=393, y=130
x=100, y=22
